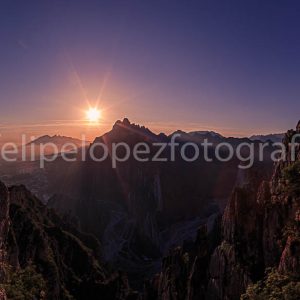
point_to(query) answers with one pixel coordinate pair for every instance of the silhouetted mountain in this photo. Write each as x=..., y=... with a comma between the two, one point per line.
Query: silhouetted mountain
x=206, y=133
x=58, y=140
x=211, y=137
x=274, y=138
x=140, y=210
x=144, y=211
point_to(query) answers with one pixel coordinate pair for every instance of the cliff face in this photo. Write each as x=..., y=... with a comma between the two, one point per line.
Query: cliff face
x=38, y=244
x=135, y=207
x=184, y=270
x=238, y=260
x=140, y=210
x=259, y=254
x=4, y=226
x=260, y=231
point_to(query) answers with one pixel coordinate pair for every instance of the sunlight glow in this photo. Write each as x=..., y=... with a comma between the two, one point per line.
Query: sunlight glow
x=93, y=115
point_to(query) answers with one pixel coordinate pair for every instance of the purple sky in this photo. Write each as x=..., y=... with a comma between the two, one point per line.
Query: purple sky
x=228, y=66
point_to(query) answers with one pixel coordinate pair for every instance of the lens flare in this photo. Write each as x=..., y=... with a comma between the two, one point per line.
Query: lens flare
x=93, y=115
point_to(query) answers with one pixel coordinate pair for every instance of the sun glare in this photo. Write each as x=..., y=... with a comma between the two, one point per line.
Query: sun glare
x=93, y=115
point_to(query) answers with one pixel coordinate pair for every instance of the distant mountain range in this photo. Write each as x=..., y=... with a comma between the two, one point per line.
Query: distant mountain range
x=215, y=137
x=141, y=212
x=211, y=133
x=254, y=250
x=135, y=208
x=58, y=140
x=193, y=135
x=62, y=143
x=273, y=137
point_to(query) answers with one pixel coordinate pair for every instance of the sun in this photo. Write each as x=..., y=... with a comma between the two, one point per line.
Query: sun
x=93, y=115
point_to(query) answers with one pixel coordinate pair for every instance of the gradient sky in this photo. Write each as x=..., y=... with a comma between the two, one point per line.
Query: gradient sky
x=228, y=66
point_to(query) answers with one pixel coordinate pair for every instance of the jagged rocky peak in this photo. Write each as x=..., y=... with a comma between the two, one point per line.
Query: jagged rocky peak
x=259, y=253
x=126, y=124
x=123, y=129
x=289, y=134
x=263, y=231
x=122, y=124
x=298, y=127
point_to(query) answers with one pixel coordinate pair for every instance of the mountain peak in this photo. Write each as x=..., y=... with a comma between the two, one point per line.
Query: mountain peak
x=134, y=128
x=125, y=122
x=272, y=137
x=211, y=133
x=298, y=127
x=56, y=139
x=125, y=129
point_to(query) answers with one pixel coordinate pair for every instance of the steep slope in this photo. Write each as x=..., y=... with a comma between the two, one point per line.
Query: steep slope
x=132, y=208
x=260, y=231
x=4, y=228
x=65, y=260
x=140, y=210
x=259, y=254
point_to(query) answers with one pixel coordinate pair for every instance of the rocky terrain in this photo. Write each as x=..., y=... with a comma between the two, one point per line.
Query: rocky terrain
x=140, y=210
x=258, y=254
x=140, y=213
x=46, y=257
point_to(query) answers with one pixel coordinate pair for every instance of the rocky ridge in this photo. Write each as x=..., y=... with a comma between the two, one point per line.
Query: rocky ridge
x=63, y=260
x=258, y=255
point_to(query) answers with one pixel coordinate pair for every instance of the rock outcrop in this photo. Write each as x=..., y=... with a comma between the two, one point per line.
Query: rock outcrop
x=4, y=228
x=136, y=208
x=184, y=270
x=262, y=228
x=260, y=231
x=259, y=254
x=35, y=238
